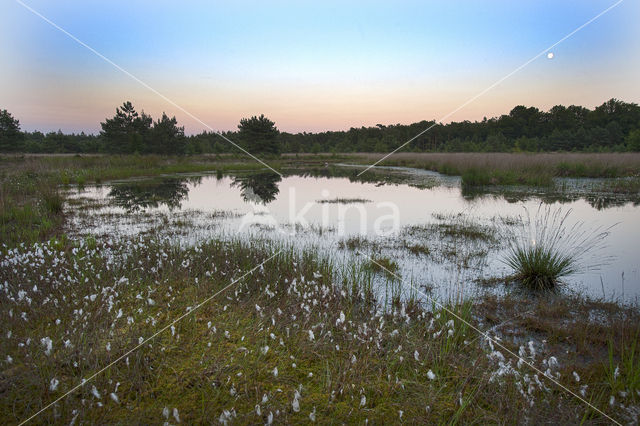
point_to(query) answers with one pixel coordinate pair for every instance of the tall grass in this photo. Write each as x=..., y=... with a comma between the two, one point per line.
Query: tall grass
x=481, y=169
x=549, y=248
x=623, y=371
x=53, y=202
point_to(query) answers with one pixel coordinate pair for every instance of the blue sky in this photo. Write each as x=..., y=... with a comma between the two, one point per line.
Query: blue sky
x=311, y=65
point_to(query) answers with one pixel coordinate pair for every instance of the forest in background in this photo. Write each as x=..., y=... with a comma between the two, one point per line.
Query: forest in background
x=612, y=126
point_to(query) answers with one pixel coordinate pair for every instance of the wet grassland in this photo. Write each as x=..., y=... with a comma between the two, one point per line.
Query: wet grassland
x=302, y=337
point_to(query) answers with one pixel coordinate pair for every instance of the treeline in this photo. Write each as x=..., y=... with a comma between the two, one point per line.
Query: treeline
x=612, y=126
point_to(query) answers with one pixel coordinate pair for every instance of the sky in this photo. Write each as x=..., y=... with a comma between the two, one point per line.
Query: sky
x=310, y=66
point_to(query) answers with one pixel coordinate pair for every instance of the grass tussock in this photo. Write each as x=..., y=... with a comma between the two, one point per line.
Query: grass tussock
x=53, y=202
x=356, y=243
x=382, y=264
x=548, y=248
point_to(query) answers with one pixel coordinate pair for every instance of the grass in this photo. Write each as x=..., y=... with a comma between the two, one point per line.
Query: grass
x=417, y=249
x=455, y=238
x=541, y=267
x=623, y=368
x=340, y=352
x=53, y=202
x=26, y=180
x=382, y=264
x=485, y=177
x=548, y=248
x=595, y=342
x=344, y=201
x=621, y=186
x=31, y=209
x=355, y=243
x=31, y=205
x=482, y=169
x=338, y=356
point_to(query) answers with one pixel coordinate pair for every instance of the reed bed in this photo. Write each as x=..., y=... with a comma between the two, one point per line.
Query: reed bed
x=514, y=168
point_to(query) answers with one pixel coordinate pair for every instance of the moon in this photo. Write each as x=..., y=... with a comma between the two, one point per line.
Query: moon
x=550, y=55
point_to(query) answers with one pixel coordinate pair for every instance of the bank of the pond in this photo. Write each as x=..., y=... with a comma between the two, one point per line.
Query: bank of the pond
x=288, y=344
x=530, y=169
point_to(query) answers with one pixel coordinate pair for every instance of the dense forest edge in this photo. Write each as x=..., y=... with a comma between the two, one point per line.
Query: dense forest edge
x=613, y=126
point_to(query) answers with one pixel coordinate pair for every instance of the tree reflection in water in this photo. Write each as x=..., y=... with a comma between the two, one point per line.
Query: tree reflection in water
x=258, y=187
x=153, y=193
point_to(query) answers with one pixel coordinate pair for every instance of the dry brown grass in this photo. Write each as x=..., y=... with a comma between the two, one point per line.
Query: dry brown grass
x=516, y=167
x=626, y=160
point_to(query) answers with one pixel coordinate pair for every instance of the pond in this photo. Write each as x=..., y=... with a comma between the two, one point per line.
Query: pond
x=446, y=239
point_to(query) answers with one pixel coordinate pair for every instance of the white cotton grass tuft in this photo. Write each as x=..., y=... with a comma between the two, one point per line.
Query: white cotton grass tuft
x=48, y=344
x=295, y=404
x=94, y=392
x=431, y=375
x=53, y=385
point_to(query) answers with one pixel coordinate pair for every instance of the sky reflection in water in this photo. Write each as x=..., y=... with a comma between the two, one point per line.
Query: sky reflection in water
x=267, y=199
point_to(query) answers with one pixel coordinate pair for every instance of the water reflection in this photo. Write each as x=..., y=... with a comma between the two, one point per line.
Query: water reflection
x=258, y=187
x=144, y=194
x=598, y=201
x=377, y=176
x=267, y=198
x=566, y=190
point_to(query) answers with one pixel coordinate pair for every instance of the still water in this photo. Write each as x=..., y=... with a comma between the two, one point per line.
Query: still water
x=406, y=221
